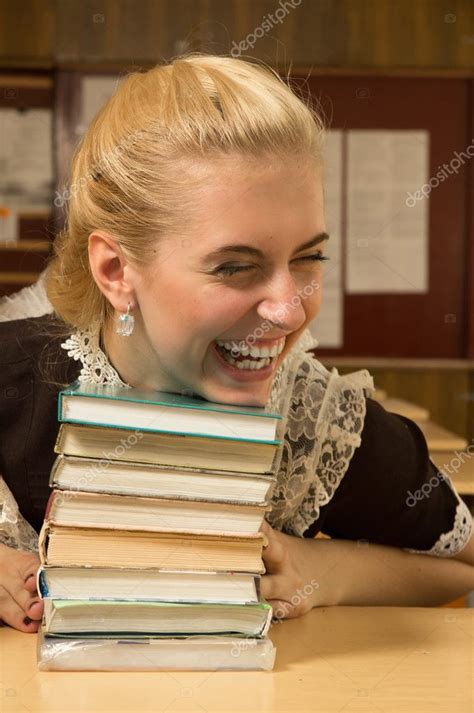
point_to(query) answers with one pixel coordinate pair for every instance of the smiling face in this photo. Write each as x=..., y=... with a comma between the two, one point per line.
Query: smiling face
x=201, y=305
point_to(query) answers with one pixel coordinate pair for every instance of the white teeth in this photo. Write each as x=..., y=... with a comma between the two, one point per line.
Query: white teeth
x=252, y=365
x=262, y=352
x=247, y=363
x=257, y=352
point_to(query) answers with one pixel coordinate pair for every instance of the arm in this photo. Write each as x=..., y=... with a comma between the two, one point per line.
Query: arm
x=304, y=573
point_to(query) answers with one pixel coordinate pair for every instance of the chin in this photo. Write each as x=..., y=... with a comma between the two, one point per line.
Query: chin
x=239, y=397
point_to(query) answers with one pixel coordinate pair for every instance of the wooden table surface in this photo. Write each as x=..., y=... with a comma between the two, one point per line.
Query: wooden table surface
x=333, y=660
x=460, y=468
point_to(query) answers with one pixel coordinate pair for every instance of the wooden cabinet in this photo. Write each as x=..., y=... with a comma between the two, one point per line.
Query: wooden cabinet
x=316, y=34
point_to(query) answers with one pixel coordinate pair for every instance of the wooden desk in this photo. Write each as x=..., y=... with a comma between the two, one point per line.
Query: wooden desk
x=333, y=660
x=407, y=409
x=461, y=467
x=440, y=439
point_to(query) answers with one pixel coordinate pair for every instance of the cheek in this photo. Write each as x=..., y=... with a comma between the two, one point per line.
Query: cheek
x=311, y=297
x=214, y=311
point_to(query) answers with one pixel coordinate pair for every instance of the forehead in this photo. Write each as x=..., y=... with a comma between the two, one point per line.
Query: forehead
x=257, y=199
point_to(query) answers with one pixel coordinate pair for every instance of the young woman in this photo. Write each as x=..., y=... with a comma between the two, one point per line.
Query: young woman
x=192, y=262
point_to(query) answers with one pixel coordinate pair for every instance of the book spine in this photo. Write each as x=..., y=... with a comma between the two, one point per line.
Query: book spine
x=41, y=585
x=60, y=406
x=58, y=463
x=48, y=614
x=49, y=504
x=43, y=543
x=58, y=446
x=168, y=432
x=268, y=622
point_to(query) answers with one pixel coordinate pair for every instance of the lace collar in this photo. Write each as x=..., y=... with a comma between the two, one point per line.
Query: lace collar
x=84, y=346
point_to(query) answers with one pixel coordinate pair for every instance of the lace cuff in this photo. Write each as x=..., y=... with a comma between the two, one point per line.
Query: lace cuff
x=326, y=419
x=452, y=542
x=15, y=531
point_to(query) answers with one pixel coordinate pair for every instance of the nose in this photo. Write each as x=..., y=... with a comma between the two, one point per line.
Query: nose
x=283, y=305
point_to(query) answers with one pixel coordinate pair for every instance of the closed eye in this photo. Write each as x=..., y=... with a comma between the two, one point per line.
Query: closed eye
x=229, y=270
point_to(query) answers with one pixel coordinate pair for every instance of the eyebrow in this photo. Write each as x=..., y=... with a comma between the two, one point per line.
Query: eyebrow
x=250, y=250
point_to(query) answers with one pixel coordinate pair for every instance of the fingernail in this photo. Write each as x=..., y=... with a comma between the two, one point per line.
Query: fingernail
x=30, y=606
x=29, y=577
x=27, y=620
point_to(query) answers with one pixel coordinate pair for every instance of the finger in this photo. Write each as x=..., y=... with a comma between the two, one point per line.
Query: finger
x=24, y=598
x=274, y=555
x=282, y=609
x=27, y=564
x=22, y=585
x=30, y=583
x=271, y=586
x=13, y=615
x=265, y=527
x=34, y=610
x=27, y=570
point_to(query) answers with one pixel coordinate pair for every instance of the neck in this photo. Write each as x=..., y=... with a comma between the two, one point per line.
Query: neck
x=134, y=358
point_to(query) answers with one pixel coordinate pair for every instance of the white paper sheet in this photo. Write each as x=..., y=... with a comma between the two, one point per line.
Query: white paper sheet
x=95, y=91
x=9, y=228
x=387, y=240
x=26, y=159
x=328, y=327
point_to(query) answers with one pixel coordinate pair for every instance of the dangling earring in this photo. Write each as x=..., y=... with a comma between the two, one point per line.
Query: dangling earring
x=125, y=323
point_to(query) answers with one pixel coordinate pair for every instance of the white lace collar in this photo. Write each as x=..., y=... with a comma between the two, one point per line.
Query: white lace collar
x=84, y=346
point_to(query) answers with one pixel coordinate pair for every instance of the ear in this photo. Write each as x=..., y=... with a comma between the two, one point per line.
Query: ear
x=111, y=271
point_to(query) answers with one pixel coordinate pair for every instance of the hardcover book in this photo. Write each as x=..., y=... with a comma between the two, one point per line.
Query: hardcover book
x=165, y=448
x=122, y=478
x=107, y=405
x=147, y=584
x=128, y=512
x=134, y=549
x=168, y=618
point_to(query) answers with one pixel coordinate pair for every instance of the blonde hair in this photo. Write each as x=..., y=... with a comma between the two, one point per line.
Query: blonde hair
x=137, y=169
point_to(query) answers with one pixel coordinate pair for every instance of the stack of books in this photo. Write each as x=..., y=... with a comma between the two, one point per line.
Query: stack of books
x=151, y=550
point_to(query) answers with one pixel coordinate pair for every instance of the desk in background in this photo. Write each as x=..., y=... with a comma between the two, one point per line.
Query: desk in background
x=333, y=660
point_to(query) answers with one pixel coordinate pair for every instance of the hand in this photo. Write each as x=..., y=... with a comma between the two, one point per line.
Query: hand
x=20, y=606
x=289, y=584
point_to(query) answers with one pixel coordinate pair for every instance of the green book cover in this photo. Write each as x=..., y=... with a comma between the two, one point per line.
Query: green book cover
x=161, y=398
x=160, y=411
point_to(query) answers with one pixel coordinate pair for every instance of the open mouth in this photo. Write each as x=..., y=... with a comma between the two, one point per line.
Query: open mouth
x=244, y=360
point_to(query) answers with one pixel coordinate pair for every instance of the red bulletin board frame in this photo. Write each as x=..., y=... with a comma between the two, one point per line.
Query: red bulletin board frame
x=470, y=233
x=414, y=325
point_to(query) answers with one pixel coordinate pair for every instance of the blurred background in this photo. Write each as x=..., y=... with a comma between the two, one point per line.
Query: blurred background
x=395, y=80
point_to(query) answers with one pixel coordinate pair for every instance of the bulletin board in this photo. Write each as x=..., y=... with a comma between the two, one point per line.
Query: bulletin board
x=437, y=323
